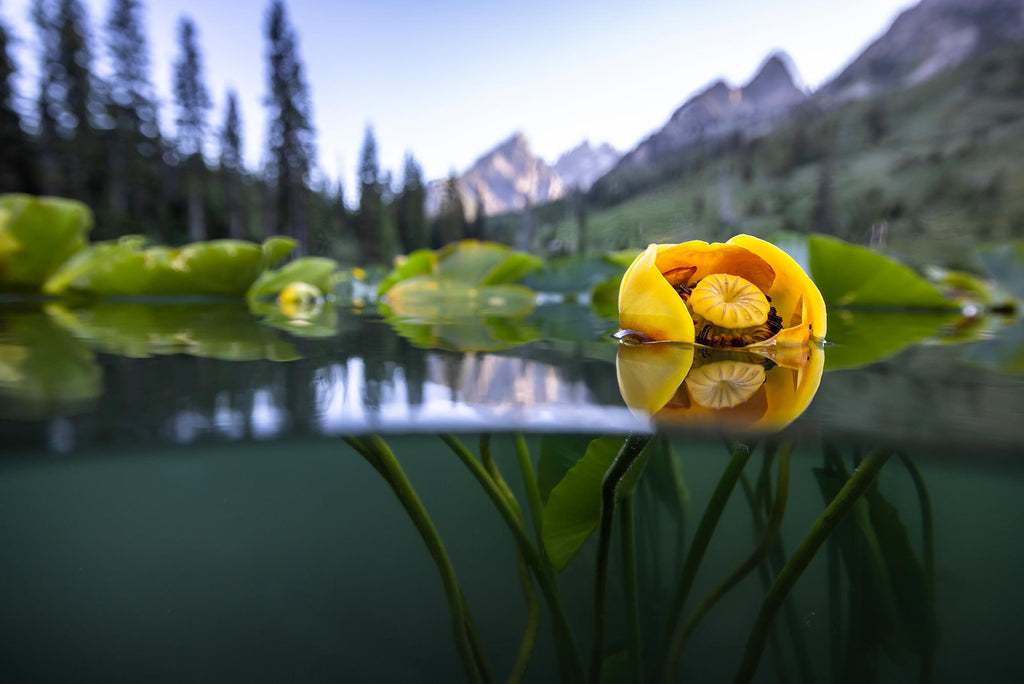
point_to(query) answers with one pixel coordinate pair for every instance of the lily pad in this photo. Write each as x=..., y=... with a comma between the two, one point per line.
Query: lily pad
x=858, y=338
x=469, y=263
x=126, y=267
x=37, y=235
x=853, y=276
x=320, y=272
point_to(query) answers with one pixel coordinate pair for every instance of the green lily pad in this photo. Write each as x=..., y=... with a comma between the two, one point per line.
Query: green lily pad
x=858, y=338
x=44, y=371
x=573, y=509
x=126, y=267
x=319, y=322
x=420, y=262
x=219, y=330
x=469, y=263
x=853, y=276
x=37, y=235
x=604, y=298
x=320, y=272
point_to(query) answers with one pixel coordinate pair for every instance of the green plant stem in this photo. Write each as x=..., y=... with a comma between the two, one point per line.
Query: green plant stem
x=380, y=456
x=545, y=578
x=627, y=455
x=627, y=526
x=701, y=539
x=928, y=534
x=532, y=490
x=747, y=566
x=802, y=557
x=529, y=593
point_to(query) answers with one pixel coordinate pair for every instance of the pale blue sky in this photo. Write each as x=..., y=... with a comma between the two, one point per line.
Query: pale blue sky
x=449, y=80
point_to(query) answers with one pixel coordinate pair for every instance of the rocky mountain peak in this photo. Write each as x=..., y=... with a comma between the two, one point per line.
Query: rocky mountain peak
x=584, y=164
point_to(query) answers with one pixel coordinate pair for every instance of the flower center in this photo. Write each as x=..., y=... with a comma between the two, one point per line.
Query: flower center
x=724, y=384
x=729, y=301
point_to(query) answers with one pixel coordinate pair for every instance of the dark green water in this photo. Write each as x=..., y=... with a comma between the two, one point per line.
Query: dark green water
x=195, y=515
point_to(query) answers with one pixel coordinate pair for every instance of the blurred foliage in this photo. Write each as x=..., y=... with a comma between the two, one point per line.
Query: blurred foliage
x=37, y=235
x=44, y=371
x=319, y=272
x=128, y=267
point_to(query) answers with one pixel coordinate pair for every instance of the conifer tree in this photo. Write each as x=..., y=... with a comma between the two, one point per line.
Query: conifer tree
x=370, y=216
x=451, y=219
x=413, y=229
x=17, y=172
x=134, y=147
x=70, y=108
x=193, y=101
x=232, y=167
x=291, y=127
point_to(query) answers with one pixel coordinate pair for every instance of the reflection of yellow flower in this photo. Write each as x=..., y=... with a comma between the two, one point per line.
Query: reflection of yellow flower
x=300, y=300
x=743, y=293
x=716, y=388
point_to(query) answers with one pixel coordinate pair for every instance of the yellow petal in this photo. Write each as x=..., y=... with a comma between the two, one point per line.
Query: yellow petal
x=794, y=295
x=649, y=374
x=648, y=304
x=717, y=258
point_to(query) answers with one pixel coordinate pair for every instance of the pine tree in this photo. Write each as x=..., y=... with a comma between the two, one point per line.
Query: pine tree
x=370, y=216
x=193, y=101
x=451, y=219
x=413, y=229
x=69, y=106
x=17, y=171
x=291, y=127
x=134, y=146
x=232, y=167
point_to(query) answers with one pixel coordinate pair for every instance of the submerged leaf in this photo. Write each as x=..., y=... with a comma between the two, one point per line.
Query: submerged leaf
x=573, y=509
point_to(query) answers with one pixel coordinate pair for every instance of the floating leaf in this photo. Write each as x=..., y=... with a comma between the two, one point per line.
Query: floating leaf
x=853, y=276
x=320, y=272
x=573, y=509
x=127, y=267
x=37, y=235
x=605, y=297
x=858, y=338
x=420, y=262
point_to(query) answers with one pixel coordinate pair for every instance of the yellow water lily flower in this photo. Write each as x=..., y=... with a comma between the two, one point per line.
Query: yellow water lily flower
x=300, y=300
x=743, y=293
x=717, y=389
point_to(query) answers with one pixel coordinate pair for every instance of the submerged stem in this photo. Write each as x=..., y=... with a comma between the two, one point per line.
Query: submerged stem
x=802, y=557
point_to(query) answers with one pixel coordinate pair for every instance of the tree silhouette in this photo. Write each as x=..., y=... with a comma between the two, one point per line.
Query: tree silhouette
x=411, y=217
x=193, y=101
x=451, y=219
x=291, y=128
x=17, y=172
x=231, y=166
x=133, y=146
x=370, y=216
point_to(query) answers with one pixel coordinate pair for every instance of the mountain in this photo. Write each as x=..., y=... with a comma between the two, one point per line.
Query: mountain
x=721, y=110
x=931, y=37
x=507, y=178
x=584, y=164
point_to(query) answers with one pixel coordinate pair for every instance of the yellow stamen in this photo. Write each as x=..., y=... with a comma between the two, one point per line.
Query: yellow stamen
x=724, y=384
x=729, y=301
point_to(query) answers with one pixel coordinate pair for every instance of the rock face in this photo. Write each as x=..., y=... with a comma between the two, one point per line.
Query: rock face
x=507, y=178
x=584, y=164
x=926, y=39
x=721, y=110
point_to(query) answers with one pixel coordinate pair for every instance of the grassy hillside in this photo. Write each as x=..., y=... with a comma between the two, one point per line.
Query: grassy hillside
x=925, y=173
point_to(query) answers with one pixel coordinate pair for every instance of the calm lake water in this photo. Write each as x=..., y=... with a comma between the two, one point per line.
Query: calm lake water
x=178, y=503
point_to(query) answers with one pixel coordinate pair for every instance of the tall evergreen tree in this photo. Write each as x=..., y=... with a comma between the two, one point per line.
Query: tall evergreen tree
x=413, y=229
x=17, y=172
x=370, y=216
x=291, y=127
x=69, y=107
x=451, y=219
x=193, y=101
x=232, y=167
x=133, y=148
